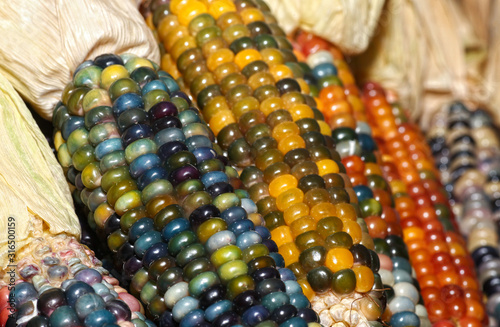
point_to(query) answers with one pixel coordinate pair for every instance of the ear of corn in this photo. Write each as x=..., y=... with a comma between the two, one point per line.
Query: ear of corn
x=187, y=240
x=332, y=83
x=465, y=146
x=242, y=71
x=40, y=255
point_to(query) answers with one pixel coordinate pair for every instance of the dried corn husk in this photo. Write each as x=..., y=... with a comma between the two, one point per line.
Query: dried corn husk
x=44, y=41
x=349, y=24
x=492, y=70
x=33, y=189
x=428, y=52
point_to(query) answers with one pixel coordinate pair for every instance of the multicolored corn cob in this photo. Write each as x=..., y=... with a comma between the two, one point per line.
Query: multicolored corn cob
x=236, y=63
x=188, y=240
x=465, y=145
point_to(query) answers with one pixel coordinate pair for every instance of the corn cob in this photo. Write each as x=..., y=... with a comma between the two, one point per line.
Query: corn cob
x=465, y=147
x=271, y=123
x=48, y=278
x=338, y=96
x=449, y=288
x=144, y=160
x=55, y=272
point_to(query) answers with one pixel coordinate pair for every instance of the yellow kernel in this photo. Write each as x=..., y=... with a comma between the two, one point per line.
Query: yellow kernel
x=290, y=253
x=327, y=166
x=324, y=128
x=218, y=58
x=271, y=104
x=289, y=198
x=251, y=15
x=364, y=278
x=300, y=111
x=306, y=288
x=218, y=8
x=295, y=212
x=285, y=129
x=221, y=120
x=282, y=184
x=291, y=142
x=58, y=140
x=246, y=56
x=190, y=11
x=352, y=228
x=338, y=259
x=322, y=210
x=281, y=235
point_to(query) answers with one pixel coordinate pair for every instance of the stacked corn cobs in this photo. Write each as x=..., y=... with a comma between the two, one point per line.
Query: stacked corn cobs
x=186, y=225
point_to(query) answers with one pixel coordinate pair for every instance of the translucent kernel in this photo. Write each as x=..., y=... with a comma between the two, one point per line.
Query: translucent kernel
x=282, y=184
x=302, y=225
x=306, y=288
x=218, y=8
x=327, y=166
x=295, y=212
x=271, y=104
x=338, y=259
x=322, y=210
x=190, y=11
x=289, y=198
x=250, y=15
x=364, y=278
x=247, y=56
x=280, y=71
x=352, y=228
x=324, y=128
x=285, y=129
x=290, y=253
x=300, y=111
x=345, y=211
x=281, y=235
x=218, y=58
x=291, y=142
x=221, y=120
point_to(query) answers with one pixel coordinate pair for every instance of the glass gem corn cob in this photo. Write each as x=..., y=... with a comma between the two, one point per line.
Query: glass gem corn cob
x=235, y=61
x=188, y=240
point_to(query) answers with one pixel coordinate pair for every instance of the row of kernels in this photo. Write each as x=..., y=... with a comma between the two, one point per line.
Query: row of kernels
x=437, y=252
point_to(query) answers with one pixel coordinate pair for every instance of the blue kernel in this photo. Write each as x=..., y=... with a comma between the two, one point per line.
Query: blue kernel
x=127, y=101
x=154, y=85
x=233, y=214
x=263, y=232
x=241, y=226
x=405, y=318
x=213, y=177
x=324, y=70
x=146, y=241
x=204, y=153
x=247, y=239
x=175, y=227
x=108, y=146
x=143, y=163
